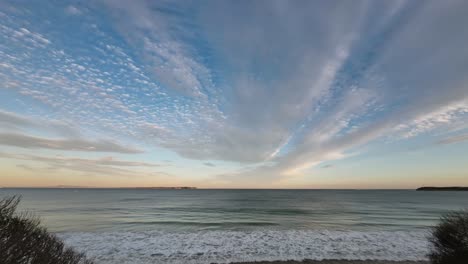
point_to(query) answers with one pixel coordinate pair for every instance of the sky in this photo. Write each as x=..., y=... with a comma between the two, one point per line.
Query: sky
x=234, y=94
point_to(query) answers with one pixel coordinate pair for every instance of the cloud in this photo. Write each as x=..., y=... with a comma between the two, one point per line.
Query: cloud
x=71, y=139
x=327, y=166
x=400, y=93
x=171, y=62
x=444, y=115
x=32, y=142
x=260, y=114
x=454, y=139
x=275, y=87
x=209, y=164
x=101, y=166
x=104, y=161
x=25, y=167
x=14, y=121
x=73, y=10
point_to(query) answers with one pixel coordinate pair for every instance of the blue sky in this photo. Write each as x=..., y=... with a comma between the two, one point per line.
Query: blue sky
x=271, y=94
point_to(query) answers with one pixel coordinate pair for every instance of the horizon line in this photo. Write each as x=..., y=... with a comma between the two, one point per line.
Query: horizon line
x=203, y=188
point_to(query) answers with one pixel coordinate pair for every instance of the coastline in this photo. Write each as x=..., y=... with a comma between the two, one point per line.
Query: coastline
x=334, y=261
x=443, y=189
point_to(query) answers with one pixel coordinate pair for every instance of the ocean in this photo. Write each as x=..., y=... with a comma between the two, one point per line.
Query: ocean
x=222, y=226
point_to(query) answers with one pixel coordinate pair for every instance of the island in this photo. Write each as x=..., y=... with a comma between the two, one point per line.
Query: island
x=163, y=188
x=442, y=189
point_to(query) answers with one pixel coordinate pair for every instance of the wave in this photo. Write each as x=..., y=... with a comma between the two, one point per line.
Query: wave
x=192, y=223
x=204, y=210
x=133, y=199
x=260, y=245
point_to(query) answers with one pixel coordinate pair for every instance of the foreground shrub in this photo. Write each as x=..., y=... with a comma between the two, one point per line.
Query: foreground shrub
x=450, y=239
x=24, y=241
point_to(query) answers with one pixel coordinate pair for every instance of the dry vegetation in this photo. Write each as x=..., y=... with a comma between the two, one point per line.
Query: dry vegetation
x=450, y=239
x=24, y=241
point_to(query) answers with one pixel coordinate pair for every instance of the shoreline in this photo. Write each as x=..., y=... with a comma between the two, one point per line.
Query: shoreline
x=333, y=261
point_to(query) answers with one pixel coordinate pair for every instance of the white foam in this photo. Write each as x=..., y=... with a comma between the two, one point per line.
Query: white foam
x=229, y=246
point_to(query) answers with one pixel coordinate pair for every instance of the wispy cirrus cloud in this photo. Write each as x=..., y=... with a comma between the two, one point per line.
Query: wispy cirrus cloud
x=392, y=92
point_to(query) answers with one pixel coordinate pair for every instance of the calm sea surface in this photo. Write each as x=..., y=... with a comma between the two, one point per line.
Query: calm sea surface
x=183, y=226
x=140, y=210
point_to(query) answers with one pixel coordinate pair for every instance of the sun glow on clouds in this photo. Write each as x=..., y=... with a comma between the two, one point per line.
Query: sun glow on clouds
x=226, y=93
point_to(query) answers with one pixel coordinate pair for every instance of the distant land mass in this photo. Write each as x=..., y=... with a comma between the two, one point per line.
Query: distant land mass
x=164, y=188
x=86, y=187
x=69, y=186
x=442, y=189
x=140, y=188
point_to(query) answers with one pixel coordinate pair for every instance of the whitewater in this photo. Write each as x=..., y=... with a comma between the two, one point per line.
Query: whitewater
x=236, y=246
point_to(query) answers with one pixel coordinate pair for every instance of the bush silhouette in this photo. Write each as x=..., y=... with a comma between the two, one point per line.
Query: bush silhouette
x=23, y=240
x=450, y=239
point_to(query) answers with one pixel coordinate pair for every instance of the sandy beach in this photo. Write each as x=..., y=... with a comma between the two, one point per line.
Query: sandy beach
x=334, y=262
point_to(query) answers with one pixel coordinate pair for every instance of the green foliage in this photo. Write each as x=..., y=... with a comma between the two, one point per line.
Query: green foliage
x=450, y=239
x=24, y=241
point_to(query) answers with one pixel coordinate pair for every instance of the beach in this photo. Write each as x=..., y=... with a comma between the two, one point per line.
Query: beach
x=335, y=262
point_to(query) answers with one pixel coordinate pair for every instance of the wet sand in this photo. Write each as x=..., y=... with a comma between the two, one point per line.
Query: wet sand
x=334, y=262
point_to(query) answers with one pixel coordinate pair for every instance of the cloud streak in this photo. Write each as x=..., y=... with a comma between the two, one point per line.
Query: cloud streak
x=454, y=139
x=26, y=141
x=12, y=123
x=102, y=166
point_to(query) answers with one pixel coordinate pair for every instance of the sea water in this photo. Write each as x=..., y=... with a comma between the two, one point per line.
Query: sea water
x=205, y=226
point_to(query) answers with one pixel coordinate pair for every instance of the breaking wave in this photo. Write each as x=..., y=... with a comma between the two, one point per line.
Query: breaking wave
x=233, y=246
